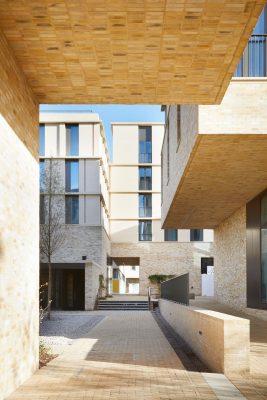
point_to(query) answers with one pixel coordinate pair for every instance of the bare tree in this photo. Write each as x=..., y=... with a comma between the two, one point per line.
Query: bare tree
x=52, y=234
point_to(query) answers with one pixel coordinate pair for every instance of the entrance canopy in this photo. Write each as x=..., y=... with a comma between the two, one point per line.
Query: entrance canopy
x=135, y=51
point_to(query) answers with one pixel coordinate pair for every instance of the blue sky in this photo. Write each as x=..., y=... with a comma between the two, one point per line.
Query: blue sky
x=112, y=113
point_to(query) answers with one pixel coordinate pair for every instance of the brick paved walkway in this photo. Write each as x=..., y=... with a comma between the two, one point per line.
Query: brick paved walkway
x=125, y=357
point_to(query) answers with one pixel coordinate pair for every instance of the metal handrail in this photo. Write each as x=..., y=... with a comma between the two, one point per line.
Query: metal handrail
x=253, y=62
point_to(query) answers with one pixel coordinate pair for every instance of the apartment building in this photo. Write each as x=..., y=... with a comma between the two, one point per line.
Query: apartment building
x=215, y=176
x=74, y=146
x=135, y=212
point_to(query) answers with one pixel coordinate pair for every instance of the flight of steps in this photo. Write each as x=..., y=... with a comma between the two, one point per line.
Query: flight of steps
x=123, y=305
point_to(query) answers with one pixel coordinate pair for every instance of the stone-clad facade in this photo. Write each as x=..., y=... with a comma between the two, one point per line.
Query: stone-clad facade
x=19, y=222
x=230, y=260
x=166, y=258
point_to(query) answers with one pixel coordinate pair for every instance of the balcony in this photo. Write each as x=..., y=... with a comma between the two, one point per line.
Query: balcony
x=220, y=163
x=253, y=63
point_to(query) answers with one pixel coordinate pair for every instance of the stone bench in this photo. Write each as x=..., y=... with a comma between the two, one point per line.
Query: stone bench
x=221, y=341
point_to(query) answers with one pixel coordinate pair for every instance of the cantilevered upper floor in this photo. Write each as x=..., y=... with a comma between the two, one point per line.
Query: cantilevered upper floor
x=214, y=157
x=98, y=51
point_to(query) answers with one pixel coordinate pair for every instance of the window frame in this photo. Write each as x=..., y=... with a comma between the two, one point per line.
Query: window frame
x=69, y=219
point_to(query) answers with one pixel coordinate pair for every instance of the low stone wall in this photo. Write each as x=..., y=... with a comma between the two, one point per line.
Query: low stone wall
x=92, y=272
x=221, y=341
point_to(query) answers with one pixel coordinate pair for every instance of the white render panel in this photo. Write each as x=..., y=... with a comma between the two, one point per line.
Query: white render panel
x=124, y=179
x=51, y=140
x=67, y=117
x=157, y=139
x=124, y=231
x=124, y=206
x=85, y=140
x=208, y=235
x=125, y=144
x=62, y=140
x=157, y=232
x=96, y=141
x=156, y=179
x=92, y=210
x=156, y=205
x=92, y=178
x=184, y=235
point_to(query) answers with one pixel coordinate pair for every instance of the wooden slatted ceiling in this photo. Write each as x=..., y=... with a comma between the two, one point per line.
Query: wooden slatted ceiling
x=135, y=51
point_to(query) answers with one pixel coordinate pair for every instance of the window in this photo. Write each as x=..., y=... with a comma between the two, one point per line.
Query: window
x=145, y=144
x=42, y=139
x=145, y=205
x=115, y=273
x=145, y=231
x=42, y=176
x=205, y=263
x=178, y=121
x=42, y=209
x=145, y=178
x=170, y=235
x=72, y=209
x=72, y=140
x=72, y=176
x=196, y=235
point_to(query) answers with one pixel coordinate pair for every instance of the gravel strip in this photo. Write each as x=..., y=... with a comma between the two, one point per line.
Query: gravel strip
x=63, y=328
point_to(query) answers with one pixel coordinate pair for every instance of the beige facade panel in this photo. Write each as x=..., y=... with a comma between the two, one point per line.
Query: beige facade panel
x=129, y=52
x=157, y=138
x=156, y=178
x=124, y=178
x=125, y=144
x=123, y=231
x=221, y=161
x=124, y=206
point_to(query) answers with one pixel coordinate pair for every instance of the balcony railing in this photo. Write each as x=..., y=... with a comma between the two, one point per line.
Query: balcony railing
x=253, y=63
x=145, y=237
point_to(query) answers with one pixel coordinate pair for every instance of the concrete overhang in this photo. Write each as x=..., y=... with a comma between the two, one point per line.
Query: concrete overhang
x=98, y=51
x=226, y=167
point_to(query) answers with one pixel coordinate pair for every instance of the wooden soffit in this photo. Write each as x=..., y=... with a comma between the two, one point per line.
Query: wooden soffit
x=224, y=173
x=135, y=51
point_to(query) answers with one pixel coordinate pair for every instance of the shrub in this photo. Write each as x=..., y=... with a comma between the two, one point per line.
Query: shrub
x=159, y=278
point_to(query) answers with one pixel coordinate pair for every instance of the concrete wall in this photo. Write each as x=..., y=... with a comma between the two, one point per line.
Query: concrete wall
x=166, y=258
x=19, y=221
x=230, y=260
x=221, y=341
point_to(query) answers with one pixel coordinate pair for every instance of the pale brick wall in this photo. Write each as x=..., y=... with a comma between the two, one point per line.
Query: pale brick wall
x=19, y=263
x=19, y=221
x=230, y=260
x=166, y=258
x=92, y=272
x=177, y=158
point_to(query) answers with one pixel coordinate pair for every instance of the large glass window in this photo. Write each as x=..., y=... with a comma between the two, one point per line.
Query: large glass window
x=72, y=176
x=42, y=139
x=145, y=144
x=145, y=205
x=42, y=176
x=145, y=231
x=72, y=209
x=264, y=249
x=196, y=235
x=72, y=132
x=170, y=235
x=145, y=178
